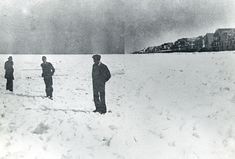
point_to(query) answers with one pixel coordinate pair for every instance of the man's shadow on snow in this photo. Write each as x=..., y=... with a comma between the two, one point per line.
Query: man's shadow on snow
x=26, y=95
x=44, y=108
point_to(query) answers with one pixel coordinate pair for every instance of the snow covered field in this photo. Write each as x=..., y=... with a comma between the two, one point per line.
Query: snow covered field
x=165, y=106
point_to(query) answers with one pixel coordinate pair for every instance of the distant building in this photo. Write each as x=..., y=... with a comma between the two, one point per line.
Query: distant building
x=198, y=43
x=183, y=45
x=150, y=49
x=224, y=39
x=208, y=40
x=221, y=40
x=166, y=47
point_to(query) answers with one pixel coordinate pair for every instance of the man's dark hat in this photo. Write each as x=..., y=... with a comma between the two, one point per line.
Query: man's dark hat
x=98, y=57
x=10, y=57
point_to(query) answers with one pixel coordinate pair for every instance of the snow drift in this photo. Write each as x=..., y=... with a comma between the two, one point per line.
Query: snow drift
x=162, y=106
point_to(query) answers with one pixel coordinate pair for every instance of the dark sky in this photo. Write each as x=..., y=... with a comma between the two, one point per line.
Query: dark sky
x=106, y=26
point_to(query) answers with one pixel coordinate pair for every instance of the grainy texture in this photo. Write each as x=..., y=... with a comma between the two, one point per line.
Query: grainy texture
x=169, y=106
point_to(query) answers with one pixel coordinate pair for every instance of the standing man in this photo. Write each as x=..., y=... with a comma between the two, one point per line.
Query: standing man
x=9, y=70
x=47, y=73
x=100, y=75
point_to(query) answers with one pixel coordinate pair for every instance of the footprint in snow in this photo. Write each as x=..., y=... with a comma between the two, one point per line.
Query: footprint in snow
x=233, y=99
x=113, y=127
x=40, y=129
x=2, y=115
x=172, y=144
x=196, y=135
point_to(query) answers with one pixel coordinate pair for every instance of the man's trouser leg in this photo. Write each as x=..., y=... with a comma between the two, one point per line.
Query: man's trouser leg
x=96, y=99
x=9, y=85
x=49, y=88
x=102, y=102
x=46, y=83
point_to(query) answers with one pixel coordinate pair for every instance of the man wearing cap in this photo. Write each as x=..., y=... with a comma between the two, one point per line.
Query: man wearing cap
x=9, y=70
x=47, y=73
x=100, y=75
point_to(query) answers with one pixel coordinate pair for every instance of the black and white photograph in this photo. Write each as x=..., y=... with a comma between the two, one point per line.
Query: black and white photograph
x=117, y=79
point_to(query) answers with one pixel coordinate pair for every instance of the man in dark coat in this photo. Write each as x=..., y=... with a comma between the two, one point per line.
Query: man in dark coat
x=9, y=70
x=100, y=75
x=47, y=73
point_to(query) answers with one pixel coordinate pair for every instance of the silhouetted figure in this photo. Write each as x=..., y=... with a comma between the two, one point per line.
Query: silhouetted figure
x=9, y=70
x=47, y=73
x=100, y=75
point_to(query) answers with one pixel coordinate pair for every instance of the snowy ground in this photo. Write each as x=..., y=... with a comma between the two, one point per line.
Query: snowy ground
x=165, y=106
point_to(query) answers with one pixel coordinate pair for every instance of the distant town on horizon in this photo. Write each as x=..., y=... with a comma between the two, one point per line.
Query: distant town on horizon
x=222, y=40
